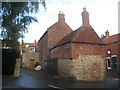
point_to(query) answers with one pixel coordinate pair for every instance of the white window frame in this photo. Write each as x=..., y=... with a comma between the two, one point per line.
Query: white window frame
x=31, y=49
x=114, y=56
x=107, y=62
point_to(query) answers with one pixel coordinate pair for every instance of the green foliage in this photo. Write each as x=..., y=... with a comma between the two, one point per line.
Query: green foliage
x=71, y=77
x=36, y=64
x=16, y=18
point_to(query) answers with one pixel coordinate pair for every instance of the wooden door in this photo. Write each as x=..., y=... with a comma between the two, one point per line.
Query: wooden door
x=32, y=64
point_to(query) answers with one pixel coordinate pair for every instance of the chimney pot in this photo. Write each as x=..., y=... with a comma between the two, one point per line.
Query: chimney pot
x=84, y=9
x=59, y=12
x=107, y=33
x=61, y=16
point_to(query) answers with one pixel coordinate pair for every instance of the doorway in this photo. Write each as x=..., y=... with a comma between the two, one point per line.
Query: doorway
x=32, y=63
x=114, y=63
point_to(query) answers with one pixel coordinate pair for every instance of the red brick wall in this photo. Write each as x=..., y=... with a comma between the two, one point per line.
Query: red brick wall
x=57, y=32
x=115, y=50
x=43, y=49
x=39, y=49
x=87, y=49
x=62, y=52
x=54, y=34
x=118, y=55
x=74, y=50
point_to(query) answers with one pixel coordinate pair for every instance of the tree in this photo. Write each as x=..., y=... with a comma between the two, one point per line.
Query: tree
x=16, y=18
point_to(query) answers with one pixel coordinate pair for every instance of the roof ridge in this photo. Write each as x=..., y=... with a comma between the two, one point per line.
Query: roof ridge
x=52, y=25
x=115, y=34
x=96, y=34
x=78, y=31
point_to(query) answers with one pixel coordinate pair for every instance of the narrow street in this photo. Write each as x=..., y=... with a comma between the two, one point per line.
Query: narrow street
x=34, y=79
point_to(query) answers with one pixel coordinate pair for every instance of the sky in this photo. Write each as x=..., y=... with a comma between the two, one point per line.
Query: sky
x=103, y=16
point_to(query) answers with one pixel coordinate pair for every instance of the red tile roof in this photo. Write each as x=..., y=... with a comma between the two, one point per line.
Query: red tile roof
x=31, y=45
x=87, y=34
x=113, y=38
x=67, y=38
x=82, y=34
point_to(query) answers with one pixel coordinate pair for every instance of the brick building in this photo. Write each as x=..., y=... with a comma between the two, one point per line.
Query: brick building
x=78, y=54
x=112, y=50
x=51, y=37
x=81, y=53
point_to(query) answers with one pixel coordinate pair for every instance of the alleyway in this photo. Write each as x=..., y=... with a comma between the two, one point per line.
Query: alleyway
x=34, y=79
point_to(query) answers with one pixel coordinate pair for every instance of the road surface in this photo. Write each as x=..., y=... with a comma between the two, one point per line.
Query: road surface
x=34, y=79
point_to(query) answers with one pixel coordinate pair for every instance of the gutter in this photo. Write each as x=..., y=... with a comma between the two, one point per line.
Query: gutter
x=77, y=42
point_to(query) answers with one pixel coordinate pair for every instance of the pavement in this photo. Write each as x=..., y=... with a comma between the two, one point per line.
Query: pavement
x=33, y=79
x=112, y=75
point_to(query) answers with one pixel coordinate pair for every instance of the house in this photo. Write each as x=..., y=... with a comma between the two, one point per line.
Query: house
x=51, y=37
x=29, y=54
x=112, y=50
x=80, y=54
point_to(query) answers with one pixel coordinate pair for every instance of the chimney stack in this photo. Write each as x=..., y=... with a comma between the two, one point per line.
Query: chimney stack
x=61, y=16
x=85, y=17
x=107, y=33
x=35, y=41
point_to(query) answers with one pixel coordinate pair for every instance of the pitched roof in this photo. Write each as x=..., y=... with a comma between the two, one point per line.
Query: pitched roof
x=67, y=38
x=60, y=26
x=111, y=39
x=87, y=34
x=82, y=34
x=31, y=44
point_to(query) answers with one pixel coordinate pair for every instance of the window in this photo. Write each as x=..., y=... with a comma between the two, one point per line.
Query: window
x=32, y=49
x=27, y=45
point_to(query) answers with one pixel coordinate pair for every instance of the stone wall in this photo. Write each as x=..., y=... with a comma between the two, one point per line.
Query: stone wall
x=85, y=67
x=28, y=56
x=17, y=68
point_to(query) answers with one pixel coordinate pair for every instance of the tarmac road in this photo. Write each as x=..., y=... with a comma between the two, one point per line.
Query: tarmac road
x=34, y=79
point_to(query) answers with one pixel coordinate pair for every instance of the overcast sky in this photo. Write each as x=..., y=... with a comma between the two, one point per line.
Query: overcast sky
x=103, y=15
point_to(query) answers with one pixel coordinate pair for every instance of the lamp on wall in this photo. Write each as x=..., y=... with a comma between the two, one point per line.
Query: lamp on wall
x=109, y=52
